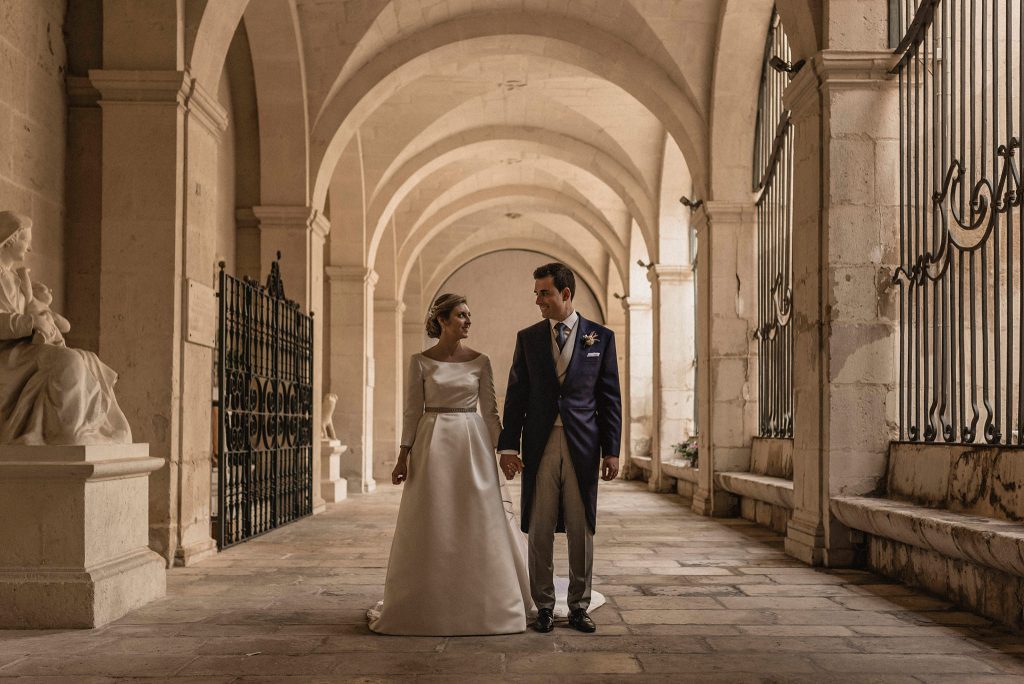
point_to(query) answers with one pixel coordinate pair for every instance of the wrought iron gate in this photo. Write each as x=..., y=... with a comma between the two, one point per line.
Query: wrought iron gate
x=265, y=409
x=773, y=181
x=961, y=257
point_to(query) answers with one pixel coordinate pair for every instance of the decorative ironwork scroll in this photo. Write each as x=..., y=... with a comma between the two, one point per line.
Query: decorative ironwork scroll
x=265, y=409
x=961, y=259
x=773, y=181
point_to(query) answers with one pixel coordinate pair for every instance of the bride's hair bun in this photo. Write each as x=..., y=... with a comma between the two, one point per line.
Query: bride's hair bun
x=442, y=308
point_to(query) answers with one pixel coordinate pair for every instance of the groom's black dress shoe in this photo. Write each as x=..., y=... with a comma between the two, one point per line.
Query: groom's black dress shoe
x=580, y=621
x=545, y=620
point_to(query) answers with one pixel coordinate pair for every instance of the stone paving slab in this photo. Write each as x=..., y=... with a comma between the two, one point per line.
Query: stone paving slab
x=689, y=600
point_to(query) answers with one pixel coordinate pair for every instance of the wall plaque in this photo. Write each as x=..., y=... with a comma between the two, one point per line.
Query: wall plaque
x=201, y=312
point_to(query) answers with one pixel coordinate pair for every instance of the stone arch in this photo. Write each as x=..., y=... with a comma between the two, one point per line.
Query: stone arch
x=541, y=198
x=804, y=22
x=213, y=36
x=606, y=55
x=624, y=182
x=280, y=79
x=571, y=259
x=737, y=72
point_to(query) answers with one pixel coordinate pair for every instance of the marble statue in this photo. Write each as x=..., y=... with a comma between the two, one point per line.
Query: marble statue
x=327, y=416
x=49, y=393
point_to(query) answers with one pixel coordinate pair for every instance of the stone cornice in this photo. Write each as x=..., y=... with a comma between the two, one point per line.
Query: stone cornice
x=155, y=87
x=846, y=69
x=207, y=110
x=669, y=273
x=320, y=225
x=802, y=97
x=246, y=218
x=726, y=211
x=285, y=217
x=350, y=273
x=81, y=92
x=635, y=304
x=139, y=86
x=389, y=305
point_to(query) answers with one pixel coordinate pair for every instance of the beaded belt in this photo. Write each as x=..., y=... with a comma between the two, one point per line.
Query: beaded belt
x=444, y=409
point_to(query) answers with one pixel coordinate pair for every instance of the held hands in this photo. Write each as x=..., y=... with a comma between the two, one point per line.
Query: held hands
x=510, y=465
x=609, y=468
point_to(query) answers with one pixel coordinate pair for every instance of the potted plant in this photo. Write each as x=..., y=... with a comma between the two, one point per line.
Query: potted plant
x=687, y=451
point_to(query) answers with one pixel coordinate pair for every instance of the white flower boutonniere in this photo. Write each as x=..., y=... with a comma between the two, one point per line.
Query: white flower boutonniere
x=590, y=338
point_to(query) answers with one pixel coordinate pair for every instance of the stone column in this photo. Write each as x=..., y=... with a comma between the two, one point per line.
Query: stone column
x=672, y=304
x=845, y=213
x=641, y=379
x=160, y=131
x=352, y=369
x=298, y=234
x=725, y=323
x=388, y=360
x=623, y=345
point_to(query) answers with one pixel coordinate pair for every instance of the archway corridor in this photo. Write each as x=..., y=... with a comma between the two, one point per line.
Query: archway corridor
x=690, y=599
x=818, y=327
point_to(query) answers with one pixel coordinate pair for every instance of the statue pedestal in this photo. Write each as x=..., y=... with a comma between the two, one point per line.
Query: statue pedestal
x=333, y=487
x=74, y=542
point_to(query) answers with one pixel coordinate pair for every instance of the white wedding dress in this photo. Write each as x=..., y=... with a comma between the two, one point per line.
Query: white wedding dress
x=458, y=558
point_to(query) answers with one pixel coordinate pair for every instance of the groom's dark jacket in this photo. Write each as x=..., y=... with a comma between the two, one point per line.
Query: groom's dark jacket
x=588, y=401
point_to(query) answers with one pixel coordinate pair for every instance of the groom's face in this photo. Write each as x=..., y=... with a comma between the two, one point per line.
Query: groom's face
x=553, y=304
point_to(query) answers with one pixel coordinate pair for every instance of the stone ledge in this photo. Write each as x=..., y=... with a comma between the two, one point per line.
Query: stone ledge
x=994, y=543
x=680, y=470
x=645, y=462
x=772, y=490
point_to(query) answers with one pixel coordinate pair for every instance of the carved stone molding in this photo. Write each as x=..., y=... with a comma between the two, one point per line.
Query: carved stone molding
x=156, y=87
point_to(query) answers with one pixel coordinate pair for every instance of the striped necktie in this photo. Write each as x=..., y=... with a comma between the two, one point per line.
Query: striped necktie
x=561, y=334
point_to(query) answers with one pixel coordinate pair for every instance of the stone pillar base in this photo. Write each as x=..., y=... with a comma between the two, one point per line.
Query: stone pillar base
x=360, y=481
x=193, y=553
x=74, y=538
x=333, y=487
x=805, y=540
x=716, y=504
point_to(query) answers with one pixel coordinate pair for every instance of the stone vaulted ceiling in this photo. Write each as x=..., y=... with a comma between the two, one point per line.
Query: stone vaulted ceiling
x=443, y=129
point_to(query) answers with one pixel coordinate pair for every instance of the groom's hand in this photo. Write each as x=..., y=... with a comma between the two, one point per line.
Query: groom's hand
x=609, y=468
x=510, y=465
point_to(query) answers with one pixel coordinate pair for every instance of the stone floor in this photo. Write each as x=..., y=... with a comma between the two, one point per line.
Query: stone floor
x=690, y=599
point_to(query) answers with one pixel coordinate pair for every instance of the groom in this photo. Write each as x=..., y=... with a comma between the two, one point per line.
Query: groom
x=563, y=402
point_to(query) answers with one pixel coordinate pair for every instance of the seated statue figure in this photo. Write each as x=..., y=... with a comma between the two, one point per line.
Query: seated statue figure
x=49, y=393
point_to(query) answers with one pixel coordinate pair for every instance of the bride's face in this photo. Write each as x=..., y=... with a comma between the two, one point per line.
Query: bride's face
x=458, y=322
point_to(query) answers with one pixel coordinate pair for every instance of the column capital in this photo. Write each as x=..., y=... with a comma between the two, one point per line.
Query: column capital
x=351, y=273
x=81, y=92
x=290, y=217
x=669, y=273
x=630, y=304
x=389, y=305
x=161, y=86
x=855, y=69
x=726, y=211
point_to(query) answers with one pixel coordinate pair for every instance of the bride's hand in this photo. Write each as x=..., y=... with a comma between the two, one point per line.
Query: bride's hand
x=401, y=472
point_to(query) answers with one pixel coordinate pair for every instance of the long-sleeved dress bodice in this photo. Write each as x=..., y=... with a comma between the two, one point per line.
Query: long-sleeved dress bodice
x=458, y=560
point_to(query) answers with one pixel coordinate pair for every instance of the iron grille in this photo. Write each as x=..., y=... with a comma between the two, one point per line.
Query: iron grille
x=773, y=181
x=264, y=409
x=961, y=341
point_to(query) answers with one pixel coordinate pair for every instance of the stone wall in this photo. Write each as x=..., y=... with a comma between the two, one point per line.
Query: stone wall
x=33, y=128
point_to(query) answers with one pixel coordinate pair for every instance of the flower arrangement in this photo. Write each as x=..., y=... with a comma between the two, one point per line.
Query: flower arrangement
x=687, y=451
x=590, y=338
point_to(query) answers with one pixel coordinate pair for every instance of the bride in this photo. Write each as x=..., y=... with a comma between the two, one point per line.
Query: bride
x=458, y=559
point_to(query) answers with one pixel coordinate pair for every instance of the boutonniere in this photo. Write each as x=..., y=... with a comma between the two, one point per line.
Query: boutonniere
x=590, y=338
